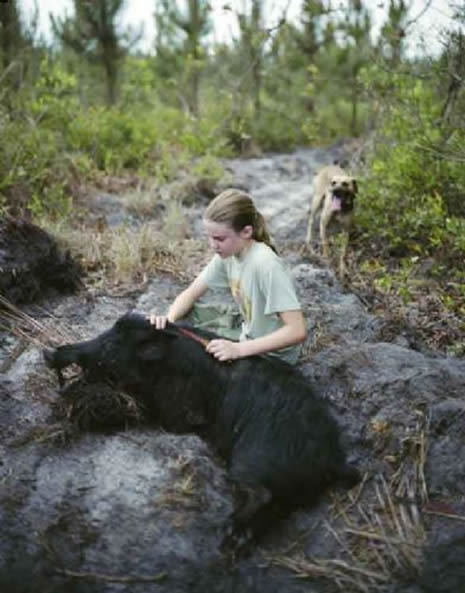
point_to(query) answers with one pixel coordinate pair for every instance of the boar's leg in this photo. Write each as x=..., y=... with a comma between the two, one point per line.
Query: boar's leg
x=243, y=527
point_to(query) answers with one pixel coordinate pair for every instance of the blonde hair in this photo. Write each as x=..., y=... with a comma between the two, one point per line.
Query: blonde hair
x=236, y=209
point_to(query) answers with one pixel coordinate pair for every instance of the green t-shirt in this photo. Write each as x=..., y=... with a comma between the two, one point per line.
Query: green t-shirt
x=262, y=288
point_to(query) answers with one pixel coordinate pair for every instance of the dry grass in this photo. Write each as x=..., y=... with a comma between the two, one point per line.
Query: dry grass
x=318, y=340
x=29, y=330
x=175, y=225
x=409, y=481
x=123, y=255
x=377, y=544
x=95, y=406
x=378, y=528
x=58, y=432
x=182, y=494
x=143, y=201
x=185, y=491
x=141, y=253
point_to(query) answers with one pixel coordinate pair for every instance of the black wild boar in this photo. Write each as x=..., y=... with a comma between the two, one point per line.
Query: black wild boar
x=279, y=441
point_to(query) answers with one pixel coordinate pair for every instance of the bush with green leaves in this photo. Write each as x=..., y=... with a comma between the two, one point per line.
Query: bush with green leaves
x=50, y=138
x=33, y=167
x=411, y=187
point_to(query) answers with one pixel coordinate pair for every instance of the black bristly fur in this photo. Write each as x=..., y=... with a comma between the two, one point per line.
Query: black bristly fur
x=279, y=441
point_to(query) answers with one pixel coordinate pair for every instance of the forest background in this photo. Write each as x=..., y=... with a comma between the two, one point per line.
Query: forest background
x=87, y=104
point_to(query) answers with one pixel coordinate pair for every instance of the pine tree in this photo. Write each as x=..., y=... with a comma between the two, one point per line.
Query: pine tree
x=393, y=31
x=92, y=33
x=181, y=32
x=355, y=28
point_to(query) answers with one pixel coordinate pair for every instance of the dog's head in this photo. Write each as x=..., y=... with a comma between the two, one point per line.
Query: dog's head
x=343, y=190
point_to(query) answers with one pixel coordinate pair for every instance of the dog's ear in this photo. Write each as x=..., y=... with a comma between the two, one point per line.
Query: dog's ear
x=355, y=185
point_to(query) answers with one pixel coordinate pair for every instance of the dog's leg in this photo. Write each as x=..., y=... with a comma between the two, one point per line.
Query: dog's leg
x=315, y=206
x=324, y=222
x=347, y=223
x=309, y=238
x=342, y=257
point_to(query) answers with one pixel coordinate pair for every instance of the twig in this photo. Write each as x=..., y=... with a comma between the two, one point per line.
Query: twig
x=419, y=15
x=447, y=515
x=383, y=537
x=353, y=499
x=369, y=573
x=393, y=552
x=13, y=317
x=92, y=576
x=343, y=545
x=395, y=516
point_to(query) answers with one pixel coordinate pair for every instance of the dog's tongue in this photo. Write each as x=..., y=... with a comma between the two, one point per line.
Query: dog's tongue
x=336, y=203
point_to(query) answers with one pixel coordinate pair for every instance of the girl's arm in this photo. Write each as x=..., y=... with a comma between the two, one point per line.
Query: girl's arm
x=182, y=304
x=293, y=332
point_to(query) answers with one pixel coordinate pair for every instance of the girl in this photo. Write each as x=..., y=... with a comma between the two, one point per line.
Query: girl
x=246, y=262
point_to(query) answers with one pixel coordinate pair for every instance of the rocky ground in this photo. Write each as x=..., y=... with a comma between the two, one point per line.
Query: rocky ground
x=141, y=511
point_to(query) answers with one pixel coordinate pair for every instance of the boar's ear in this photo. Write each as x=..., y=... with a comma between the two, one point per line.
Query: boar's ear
x=156, y=349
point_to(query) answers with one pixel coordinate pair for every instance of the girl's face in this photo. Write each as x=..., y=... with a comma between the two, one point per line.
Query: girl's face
x=224, y=240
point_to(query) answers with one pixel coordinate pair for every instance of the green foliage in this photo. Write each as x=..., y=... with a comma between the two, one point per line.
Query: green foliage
x=54, y=96
x=52, y=138
x=139, y=83
x=31, y=153
x=407, y=204
x=275, y=131
x=114, y=139
x=208, y=167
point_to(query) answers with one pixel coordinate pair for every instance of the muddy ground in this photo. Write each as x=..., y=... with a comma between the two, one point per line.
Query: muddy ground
x=141, y=511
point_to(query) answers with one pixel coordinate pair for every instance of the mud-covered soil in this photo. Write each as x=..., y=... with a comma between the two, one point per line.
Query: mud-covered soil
x=140, y=510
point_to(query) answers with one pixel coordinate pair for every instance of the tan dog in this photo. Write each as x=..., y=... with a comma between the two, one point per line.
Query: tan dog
x=334, y=193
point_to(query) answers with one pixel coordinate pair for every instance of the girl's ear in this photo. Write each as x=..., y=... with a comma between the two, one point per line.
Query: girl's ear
x=247, y=232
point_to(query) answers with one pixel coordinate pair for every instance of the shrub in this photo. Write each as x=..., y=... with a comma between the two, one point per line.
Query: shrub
x=406, y=193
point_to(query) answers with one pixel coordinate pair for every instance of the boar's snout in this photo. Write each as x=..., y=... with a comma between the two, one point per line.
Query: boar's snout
x=49, y=357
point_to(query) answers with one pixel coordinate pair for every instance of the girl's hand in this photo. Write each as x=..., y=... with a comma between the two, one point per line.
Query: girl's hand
x=159, y=321
x=224, y=350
